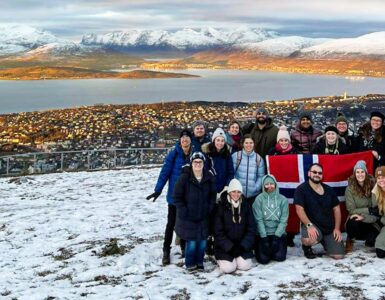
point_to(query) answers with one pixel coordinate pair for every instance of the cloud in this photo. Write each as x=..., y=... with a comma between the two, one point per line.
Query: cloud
x=316, y=18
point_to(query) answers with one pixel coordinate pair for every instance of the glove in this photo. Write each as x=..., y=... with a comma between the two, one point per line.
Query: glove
x=265, y=245
x=236, y=251
x=374, y=211
x=275, y=243
x=154, y=195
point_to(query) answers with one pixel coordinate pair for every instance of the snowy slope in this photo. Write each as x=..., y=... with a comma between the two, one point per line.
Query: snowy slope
x=282, y=46
x=372, y=44
x=53, y=228
x=183, y=39
x=19, y=38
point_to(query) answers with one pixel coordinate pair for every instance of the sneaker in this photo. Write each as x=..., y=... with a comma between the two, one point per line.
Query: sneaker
x=349, y=245
x=166, y=257
x=200, y=268
x=191, y=269
x=308, y=252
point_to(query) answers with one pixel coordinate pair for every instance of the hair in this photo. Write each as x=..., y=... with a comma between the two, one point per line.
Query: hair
x=316, y=164
x=366, y=130
x=380, y=197
x=362, y=191
x=247, y=136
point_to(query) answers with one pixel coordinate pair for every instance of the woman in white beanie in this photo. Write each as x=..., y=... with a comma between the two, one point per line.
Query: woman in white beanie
x=234, y=230
x=283, y=145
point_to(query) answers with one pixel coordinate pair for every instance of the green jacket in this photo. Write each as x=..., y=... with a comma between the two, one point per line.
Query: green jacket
x=265, y=138
x=271, y=211
x=359, y=205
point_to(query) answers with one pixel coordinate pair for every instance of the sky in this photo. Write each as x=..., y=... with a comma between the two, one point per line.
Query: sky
x=72, y=18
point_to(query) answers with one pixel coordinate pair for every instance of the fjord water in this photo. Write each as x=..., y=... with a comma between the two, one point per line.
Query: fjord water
x=213, y=85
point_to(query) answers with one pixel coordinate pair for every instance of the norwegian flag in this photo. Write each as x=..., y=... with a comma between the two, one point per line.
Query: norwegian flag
x=291, y=170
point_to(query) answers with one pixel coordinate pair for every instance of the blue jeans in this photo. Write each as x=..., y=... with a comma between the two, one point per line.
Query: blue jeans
x=195, y=252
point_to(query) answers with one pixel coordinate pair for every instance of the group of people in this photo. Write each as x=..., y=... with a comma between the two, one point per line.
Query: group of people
x=222, y=202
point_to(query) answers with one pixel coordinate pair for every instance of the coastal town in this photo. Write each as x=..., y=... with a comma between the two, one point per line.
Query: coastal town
x=157, y=125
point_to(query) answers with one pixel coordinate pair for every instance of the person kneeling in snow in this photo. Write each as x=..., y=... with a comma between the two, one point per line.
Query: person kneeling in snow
x=194, y=197
x=271, y=211
x=234, y=230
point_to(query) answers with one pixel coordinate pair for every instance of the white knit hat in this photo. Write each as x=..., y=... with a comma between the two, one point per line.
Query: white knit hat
x=283, y=133
x=218, y=132
x=234, y=185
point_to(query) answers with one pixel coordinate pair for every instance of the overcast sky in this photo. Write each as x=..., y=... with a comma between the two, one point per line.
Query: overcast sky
x=71, y=19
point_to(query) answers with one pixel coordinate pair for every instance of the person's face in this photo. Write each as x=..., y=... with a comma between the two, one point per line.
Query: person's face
x=315, y=174
x=331, y=137
x=261, y=117
x=269, y=187
x=219, y=142
x=235, y=195
x=197, y=165
x=360, y=175
x=342, y=127
x=375, y=123
x=234, y=129
x=381, y=182
x=284, y=143
x=185, y=141
x=248, y=145
x=305, y=123
x=199, y=131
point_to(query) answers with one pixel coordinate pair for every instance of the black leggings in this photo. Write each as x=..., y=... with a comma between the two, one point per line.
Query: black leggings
x=263, y=256
x=361, y=231
x=171, y=219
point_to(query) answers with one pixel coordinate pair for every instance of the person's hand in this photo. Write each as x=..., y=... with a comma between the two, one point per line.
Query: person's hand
x=375, y=154
x=275, y=244
x=337, y=235
x=154, y=195
x=312, y=233
x=356, y=217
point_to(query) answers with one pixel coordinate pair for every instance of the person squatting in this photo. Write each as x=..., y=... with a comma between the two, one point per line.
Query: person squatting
x=221, y=202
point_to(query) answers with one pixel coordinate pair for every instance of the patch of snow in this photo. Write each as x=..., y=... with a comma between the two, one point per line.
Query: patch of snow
x=53, y=228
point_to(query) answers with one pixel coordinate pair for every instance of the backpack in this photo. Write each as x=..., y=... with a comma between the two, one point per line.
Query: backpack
x=239, y=158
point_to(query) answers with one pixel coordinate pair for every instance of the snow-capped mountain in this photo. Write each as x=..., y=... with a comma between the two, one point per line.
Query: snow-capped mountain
x=372, y=44
x=20, y=38
x=282, y=46
x=185, y=39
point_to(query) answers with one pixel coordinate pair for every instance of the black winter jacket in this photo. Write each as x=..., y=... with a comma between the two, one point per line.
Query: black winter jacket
x=227, y=233
x=194, y=201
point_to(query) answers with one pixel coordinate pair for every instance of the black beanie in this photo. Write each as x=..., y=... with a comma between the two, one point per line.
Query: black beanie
x=377, y=114
x=331, y=128
x=185, y=132
x=305, y=114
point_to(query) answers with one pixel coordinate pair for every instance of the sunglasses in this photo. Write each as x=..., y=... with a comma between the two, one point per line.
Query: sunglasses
x=316, y=172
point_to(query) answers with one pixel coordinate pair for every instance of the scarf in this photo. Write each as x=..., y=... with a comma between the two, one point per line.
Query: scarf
x=279, y=149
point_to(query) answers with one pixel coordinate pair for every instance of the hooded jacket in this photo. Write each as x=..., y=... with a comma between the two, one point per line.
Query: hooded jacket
x=304, y=141
x=194, y=202
x=264, y=138
x=271, y=211
x=221, y=164
x=228, y=233
x=340, y=147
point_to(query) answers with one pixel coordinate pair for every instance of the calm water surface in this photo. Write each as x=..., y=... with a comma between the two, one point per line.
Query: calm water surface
x=214, y=85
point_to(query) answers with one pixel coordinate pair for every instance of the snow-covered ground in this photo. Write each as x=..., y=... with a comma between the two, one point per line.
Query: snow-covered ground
x=54, y=230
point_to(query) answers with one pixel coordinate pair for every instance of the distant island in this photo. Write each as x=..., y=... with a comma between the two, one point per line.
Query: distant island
x=50, y=73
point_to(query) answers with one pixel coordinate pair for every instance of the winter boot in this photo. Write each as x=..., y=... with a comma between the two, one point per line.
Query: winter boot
x=166, y=257
x=308, y=252
x=349, y=245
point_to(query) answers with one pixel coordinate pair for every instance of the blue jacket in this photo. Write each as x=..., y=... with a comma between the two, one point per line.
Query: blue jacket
x=248, y=173
x=194, y=202
x=222, y=166
x=171, y=169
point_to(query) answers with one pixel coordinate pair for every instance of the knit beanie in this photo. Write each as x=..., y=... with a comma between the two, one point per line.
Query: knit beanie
x=341, y=118
x=234, y=185
x=218, y=132
x=331, y=128
x=263, y=110
x=305, y=114
x=283, y=133
x=361, y=164
x=380, y=171
x=377, y=114
x=185, y=132
x=197, y=155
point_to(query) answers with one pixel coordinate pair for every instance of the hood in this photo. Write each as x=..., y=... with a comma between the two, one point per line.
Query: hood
x=276, y=191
